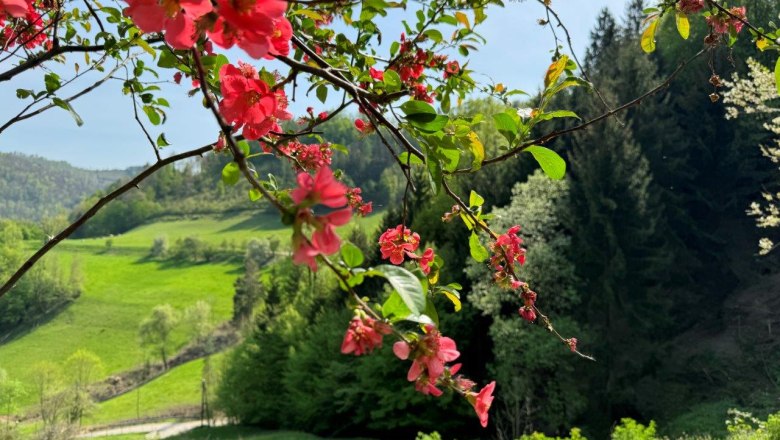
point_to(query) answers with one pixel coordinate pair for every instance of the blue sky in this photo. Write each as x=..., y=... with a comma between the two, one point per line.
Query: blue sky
x=517, y=54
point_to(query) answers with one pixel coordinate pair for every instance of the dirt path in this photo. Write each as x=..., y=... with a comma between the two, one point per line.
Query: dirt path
x=152, y=430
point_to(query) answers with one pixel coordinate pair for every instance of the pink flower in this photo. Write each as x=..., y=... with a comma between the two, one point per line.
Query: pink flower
x=401, y=350
x=572, y=343
x=14, y=8
x=527, y=313
x=364, y=127
x=426, y=260
x=378, y=75
x=690, y=6
x=322, y=116
x=363, y=336
x=721, y=22
x=397, y=243
x=322, y=188
x=452, y=69
x=304, y=253
x=433, y=351
x=324, y=237
x=482, y=403
x=249, y=102
x=175, y=17
x=258, y=27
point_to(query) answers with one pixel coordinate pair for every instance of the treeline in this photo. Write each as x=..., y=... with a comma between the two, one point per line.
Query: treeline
x=46, y=287
x=32, y=188
x=637, y=254
x=195, y=187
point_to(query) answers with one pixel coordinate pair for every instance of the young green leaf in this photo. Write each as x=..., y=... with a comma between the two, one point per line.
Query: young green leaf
x=478, y=252
x=66, y=105
x=777, y=76
x=231, y=173
x=406, y=285
x=352, y=255
x=552, y=164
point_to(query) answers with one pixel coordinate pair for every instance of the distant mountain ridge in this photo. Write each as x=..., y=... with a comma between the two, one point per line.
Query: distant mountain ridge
x=32, y=187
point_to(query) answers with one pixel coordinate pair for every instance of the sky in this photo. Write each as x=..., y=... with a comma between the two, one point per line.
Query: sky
x=517, y=54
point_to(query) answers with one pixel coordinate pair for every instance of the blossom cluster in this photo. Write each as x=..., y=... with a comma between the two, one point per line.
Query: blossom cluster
x=429, y=355
x=364, y=334
x=249, y=102
x=258, y=27
x=397, y=244
x=721, y=22
x=21, y=23
x=322, y=189
x=507, y=250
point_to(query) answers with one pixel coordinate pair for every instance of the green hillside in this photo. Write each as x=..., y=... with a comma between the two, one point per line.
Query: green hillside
x=121, y=287
x=32, y=188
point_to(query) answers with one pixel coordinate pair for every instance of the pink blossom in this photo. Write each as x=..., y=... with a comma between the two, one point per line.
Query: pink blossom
x=14, y=8
x=482, y=403
x=433, y=351
x=426, y=260
x=397, y=243
x=322, y=188
x=363, y=336
x=690, y=6
x=175, y=17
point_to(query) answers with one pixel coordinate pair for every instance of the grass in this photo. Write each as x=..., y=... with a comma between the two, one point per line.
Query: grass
x=236, y=432
x=122, y=287
x=179, y=387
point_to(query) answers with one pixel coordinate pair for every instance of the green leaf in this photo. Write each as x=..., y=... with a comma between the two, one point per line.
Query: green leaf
x=475, y=199
x=152, y=114
x=145, y=46
x=395, y=310
x=506, y=126
x=322, y=93
x=683, y=26
x=417, y=107
x=434, y=35
x=648, y=36
x=478, y=252
x=552, y=164
x=430, y=123
x=162, y=141
x=255, y=194
x=352, y=255
x=557, y=114
x=392, y=81
x=231, y=173
x=52, y=81
x=66, y=105
x=777, y=76
x=411, y=159
x=406, y=285
x=243, y=145
x=430, y=311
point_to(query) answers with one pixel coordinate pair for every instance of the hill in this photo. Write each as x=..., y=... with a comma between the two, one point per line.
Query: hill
x=32, y=187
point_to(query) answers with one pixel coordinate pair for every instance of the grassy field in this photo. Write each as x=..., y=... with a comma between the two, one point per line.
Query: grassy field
x=179, y=387
x=121, y=288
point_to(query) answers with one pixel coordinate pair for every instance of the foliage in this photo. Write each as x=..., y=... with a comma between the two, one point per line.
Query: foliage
x=155, y=331
x=33, y=188
x=46, y=288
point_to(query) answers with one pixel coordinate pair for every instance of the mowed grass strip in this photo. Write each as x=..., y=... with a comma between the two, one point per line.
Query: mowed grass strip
x=179, y=387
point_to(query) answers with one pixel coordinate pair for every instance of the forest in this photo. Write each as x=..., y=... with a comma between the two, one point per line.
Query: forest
x=651, y=255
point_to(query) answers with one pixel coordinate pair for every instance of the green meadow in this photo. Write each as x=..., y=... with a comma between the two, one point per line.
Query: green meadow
x=121, y=287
